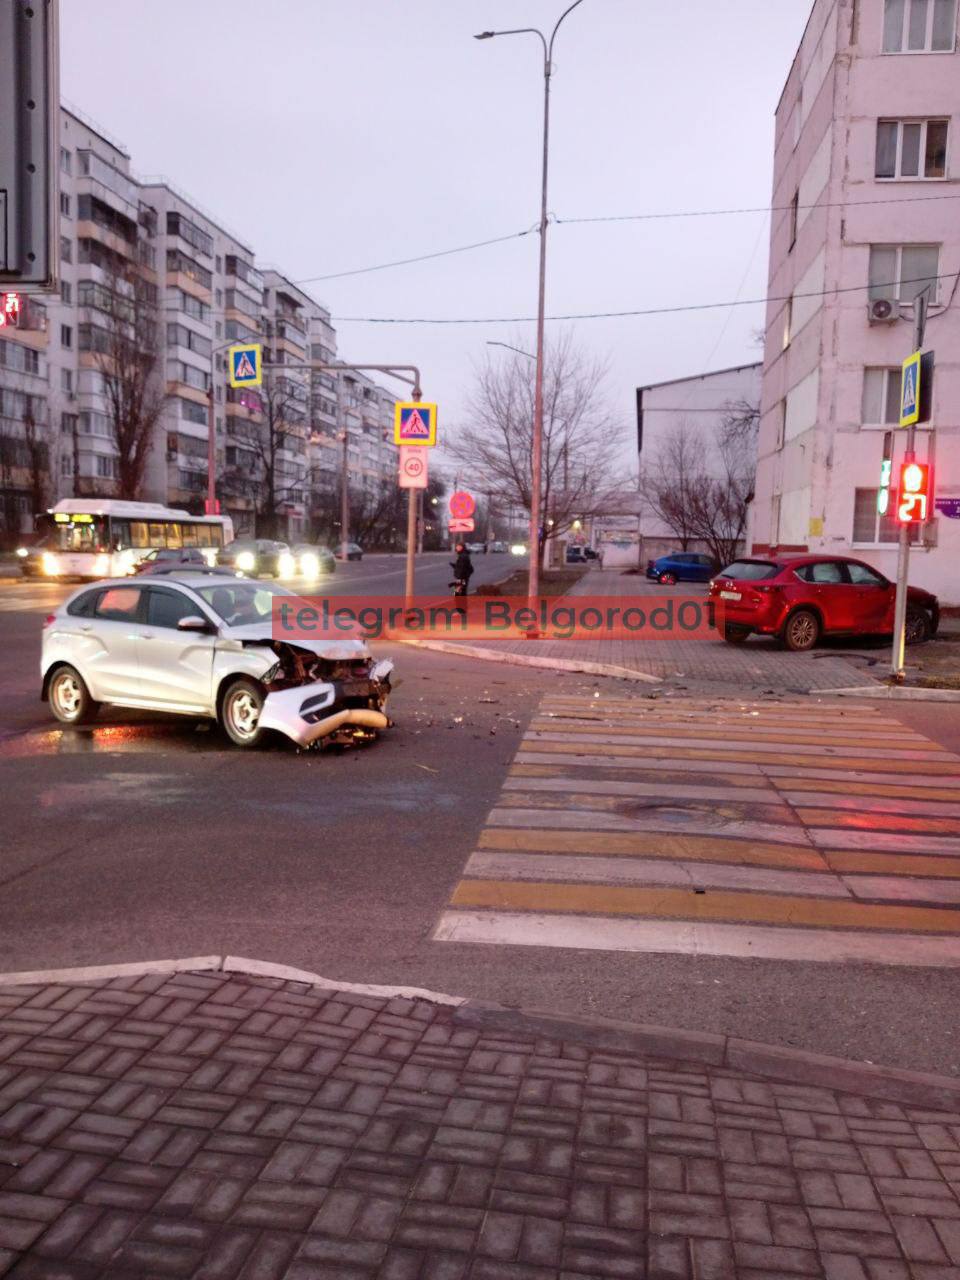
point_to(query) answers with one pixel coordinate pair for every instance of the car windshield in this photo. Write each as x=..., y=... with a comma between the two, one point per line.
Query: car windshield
x=750, y=570
x=240, y=604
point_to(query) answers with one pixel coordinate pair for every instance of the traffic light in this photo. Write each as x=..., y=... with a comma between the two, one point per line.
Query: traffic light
x=11, y=310
x=914, y=497
x=886, y=474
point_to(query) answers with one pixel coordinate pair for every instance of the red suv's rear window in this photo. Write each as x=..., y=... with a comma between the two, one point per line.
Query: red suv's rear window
x=750, y=570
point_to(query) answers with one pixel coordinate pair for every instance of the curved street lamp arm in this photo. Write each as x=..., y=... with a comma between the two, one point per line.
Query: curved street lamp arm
x=549, y=49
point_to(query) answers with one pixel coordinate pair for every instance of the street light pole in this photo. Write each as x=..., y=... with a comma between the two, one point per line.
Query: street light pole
x=536, y=452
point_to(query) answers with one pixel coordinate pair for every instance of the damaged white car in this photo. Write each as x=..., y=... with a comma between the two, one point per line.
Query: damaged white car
x=200, y=644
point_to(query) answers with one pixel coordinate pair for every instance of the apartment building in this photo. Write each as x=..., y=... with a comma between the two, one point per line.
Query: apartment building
x=866, y=200
x=142, y=262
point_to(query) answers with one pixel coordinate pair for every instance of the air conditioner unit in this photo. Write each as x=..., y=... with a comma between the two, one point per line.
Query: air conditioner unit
x=883, y=311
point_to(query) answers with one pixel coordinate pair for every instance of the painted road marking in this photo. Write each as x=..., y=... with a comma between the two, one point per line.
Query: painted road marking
x=773, y=830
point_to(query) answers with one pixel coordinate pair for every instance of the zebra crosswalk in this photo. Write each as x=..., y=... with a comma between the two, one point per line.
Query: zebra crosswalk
x=704, y=827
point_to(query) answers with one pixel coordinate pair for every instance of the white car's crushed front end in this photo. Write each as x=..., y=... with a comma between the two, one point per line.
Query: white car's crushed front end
x=335, y=691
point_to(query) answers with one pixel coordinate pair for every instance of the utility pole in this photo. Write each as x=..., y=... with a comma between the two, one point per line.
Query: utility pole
x=903, y=557
x=344, y=494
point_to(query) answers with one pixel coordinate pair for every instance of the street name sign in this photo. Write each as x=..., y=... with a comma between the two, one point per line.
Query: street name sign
x=415, y=424
x=246, y=365
x=413, y=468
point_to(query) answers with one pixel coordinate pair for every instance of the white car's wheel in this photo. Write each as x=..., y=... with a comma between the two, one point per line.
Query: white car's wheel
x=240, y=713
x=70, y=699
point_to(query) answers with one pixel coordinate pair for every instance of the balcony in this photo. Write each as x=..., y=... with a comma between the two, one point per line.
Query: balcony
x=98, y=178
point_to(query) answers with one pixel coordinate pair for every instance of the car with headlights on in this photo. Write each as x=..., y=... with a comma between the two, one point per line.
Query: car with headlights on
x=800, y=598
x=205, y=645
x=258, y=558
x=354, y=551
x=313, y=561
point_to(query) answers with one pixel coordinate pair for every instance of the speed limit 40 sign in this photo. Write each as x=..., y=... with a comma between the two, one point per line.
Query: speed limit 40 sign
x=413, y=468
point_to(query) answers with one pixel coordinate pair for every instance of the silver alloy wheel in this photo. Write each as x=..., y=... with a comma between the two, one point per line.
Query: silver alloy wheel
x=243, y=713
x=803, y=631
x=916, y=627
x=67, y=695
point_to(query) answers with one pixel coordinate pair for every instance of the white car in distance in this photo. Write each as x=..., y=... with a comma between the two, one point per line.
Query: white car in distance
x=198, y=644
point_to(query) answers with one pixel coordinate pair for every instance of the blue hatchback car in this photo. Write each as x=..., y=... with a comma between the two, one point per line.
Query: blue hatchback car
x=682, y=566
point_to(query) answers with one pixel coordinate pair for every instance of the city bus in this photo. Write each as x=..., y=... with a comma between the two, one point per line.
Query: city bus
x=107, y=538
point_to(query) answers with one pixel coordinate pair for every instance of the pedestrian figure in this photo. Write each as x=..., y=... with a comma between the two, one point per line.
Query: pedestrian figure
x=462, y=570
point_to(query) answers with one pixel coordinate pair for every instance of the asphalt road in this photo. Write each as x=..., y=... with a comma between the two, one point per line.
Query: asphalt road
x=147, y=836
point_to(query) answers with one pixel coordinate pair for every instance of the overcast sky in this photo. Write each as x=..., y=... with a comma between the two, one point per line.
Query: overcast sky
x=338, y=134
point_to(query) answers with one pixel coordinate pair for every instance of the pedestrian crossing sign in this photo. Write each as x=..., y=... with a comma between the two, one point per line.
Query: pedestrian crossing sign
x=910, y=391
x=246, y=365
x=415, y=424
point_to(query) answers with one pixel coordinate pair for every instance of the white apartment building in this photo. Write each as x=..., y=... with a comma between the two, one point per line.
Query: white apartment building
x=866, y=210
x=205, y=291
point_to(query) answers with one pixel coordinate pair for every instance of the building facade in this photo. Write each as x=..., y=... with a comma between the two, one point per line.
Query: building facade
x=692, y=417
x=146, y=272
x=866, y=212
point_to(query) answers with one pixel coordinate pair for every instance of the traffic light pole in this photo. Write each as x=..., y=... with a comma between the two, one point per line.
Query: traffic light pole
x=903, y=557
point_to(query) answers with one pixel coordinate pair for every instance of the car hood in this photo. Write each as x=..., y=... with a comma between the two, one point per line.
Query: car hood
x=342, y=649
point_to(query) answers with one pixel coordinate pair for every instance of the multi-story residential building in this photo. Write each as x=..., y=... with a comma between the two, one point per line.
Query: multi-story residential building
x=866, y=199
x=140, y=250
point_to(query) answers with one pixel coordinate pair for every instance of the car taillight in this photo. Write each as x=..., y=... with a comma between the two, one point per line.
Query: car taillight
x=49, y=620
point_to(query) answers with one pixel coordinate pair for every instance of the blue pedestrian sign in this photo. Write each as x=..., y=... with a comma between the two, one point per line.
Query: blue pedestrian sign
x=910, y=391
x=246, y=365
x=415, y=423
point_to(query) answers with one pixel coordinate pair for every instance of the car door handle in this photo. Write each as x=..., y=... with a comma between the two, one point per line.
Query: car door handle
x=88, y=627
x=145, y=635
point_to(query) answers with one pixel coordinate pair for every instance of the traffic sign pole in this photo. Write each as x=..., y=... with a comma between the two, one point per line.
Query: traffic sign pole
x=903, y=556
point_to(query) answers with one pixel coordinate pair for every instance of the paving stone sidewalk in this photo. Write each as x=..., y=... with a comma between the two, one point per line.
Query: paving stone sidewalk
x=218, y=1126
x=706, y=665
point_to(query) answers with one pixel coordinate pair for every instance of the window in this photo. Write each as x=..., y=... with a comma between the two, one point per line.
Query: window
x=66, y=465
x=66, y=380
x=190, y=376
x=64, y=204
x=911, y=149
x=869, y=527
x=191, y=412
x=68, y=424
x=21, y=359
x=66, y=292
x=919, y=26
x=119, y=604
x=106, y=466
x=93, y=338
x=218, y=262
x=66, y=336
x=166, y=608
x=787, y=323
x=196, y=237
x=66, y=250
x=900, y=272
x=179, y=263
x=66, y=161
x=750, y=570
x=781, y=421
x=861, y=575
x=881, y=398
x=825, y=571
x=794, y=218
x=190, y=306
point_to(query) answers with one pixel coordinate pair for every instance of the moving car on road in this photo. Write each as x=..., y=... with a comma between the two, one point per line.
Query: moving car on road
x=354, y=551
x=682, y=566
x=259, y=557
x=798, y=599
x=313, y=562
x=202, y=645
x=165, y=558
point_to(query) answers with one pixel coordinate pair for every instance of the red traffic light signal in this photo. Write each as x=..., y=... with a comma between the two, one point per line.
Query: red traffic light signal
x=914, y=497
x=11, y=309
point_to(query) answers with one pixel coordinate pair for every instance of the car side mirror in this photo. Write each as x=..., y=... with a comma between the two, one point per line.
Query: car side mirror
x=195, y=623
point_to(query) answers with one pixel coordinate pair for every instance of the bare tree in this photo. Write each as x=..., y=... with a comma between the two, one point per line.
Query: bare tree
x=37, y=458
x=265, y=477
x=700, y=486
x=129, y=356
x=580, y=436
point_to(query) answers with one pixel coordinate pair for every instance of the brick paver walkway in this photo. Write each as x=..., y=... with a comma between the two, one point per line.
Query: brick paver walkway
x=216, y=1126
x=758, y=664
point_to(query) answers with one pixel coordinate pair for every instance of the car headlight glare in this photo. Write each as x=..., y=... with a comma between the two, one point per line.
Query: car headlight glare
x=49, y=564
x=22, y=552
x=210, y=555
x=310, y=565
x=246, y=561
x=286, y=565
x=518, y=549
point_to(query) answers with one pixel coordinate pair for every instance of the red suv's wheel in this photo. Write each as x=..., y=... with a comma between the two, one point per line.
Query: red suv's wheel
x=802, y=631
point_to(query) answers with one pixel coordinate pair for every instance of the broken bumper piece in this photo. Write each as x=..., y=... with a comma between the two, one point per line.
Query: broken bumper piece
x=310, y=712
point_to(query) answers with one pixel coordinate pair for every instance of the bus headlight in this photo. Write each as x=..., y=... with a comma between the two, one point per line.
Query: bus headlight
x=50, y=564
x=22, y=552
x=246, y=561
x=101, y=566
x=310, y=565
x=286, y=565
x=126, y=563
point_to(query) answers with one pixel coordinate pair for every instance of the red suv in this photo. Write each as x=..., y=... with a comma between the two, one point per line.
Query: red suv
x=800, y=598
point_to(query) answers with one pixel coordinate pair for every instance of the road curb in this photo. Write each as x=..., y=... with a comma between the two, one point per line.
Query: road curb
x=777, y=1062
x=527, y=660
x=894, y=693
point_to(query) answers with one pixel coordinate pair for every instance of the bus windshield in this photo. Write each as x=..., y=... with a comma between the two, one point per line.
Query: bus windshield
x=76, y=533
